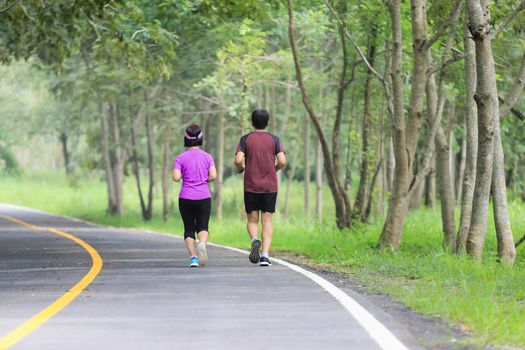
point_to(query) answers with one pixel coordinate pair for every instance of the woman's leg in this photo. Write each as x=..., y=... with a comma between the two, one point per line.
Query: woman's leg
x=203, y=212
x=188, y=218
x=203, y=219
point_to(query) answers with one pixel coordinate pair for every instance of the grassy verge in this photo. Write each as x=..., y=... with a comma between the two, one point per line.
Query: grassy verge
x=486, y=299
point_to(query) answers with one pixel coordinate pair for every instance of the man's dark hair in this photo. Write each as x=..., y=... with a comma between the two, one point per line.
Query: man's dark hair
x=260, y=118
x=193, y=136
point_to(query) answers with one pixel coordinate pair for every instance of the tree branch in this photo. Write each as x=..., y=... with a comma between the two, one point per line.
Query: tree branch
x=354, y=43
x=516, y=112
x=444, y=25
x=509, y=18
x=515, y=92
x=9, y=7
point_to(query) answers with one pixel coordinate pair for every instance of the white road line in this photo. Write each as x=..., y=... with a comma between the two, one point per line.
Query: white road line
x=377, y=331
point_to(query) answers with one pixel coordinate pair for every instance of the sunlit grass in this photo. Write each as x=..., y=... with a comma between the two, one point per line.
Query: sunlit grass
x=487, y=299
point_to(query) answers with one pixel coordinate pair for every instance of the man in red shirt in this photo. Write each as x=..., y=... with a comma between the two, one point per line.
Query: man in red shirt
x=257, y=153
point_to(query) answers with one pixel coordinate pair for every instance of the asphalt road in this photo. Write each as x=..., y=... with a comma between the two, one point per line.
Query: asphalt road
x=145, y=296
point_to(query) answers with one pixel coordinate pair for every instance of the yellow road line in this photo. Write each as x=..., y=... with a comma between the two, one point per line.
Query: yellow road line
x=37, y=320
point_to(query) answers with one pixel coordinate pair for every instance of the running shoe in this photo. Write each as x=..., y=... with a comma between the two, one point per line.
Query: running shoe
x=254, y=254
x=194, y=262
x=201, y=251
x=265, y=261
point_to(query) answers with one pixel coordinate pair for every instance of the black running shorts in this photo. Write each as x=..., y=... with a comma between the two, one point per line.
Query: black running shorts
x=264, y=202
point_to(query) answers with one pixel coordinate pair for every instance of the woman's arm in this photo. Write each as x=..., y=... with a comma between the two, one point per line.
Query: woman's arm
x=177, y=175
x=212, y=174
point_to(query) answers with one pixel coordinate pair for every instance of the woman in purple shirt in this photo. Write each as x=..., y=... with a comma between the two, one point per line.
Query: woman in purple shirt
x=195, y=168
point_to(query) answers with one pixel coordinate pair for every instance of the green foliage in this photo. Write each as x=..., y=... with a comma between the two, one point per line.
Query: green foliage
x=47, y=29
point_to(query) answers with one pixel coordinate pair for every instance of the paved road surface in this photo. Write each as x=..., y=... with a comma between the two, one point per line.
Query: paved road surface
x=146, y=298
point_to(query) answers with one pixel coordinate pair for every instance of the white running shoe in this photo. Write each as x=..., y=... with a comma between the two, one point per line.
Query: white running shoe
x=201, y=251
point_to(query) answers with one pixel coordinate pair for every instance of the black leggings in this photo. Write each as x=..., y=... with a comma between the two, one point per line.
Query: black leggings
x=195, y=215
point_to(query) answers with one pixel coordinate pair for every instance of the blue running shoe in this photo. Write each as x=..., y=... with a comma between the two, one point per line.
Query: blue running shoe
x=194, y=262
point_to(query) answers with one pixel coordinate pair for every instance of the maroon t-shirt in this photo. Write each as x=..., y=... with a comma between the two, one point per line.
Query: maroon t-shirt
x=260, y=149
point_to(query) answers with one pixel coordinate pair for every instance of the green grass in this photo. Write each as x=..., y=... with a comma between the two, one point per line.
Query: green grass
x=487, y=299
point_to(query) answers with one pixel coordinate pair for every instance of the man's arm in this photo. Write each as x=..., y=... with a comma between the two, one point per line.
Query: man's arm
x=281, y=161
x=239, y=161
x=177, y=175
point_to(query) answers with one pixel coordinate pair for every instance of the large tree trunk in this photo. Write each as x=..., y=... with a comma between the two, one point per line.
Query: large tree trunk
x=397, y=209
x=471, y=136
x=307, y=171
x=110, y=179
x=486, y=98
x=220, y=166
x=360, y=205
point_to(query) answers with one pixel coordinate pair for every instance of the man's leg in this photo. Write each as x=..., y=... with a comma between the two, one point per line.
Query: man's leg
x=253, y=224
x=267, y=232
x=253, y=231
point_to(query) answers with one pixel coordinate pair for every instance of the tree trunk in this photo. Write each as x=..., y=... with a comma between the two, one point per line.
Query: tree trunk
x=445, y=191
x=461, y=170
x=397, y=209
x=136, y=169
x=417, y=197
x=319, y=183
x=319, y=161
x=65, y=152
x=505, y=239
x=506, y=247
x=360, y=201
x=419, y=78
x=368, y=209
x=151, y=164
x=289, y=182
x=110, y=179
x=390, y=165
x=166, y=167
x=118, y=168
x=430, y=188
x=306, y=173
x=436, y=102
x=471, y=136
x=486, y=97
x=220, y=166
x=341, y=201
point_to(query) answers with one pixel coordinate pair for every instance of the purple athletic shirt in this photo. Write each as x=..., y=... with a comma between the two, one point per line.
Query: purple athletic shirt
x=194, y=165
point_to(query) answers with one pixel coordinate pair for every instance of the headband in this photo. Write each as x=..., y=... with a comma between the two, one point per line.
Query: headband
x=192, y=137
